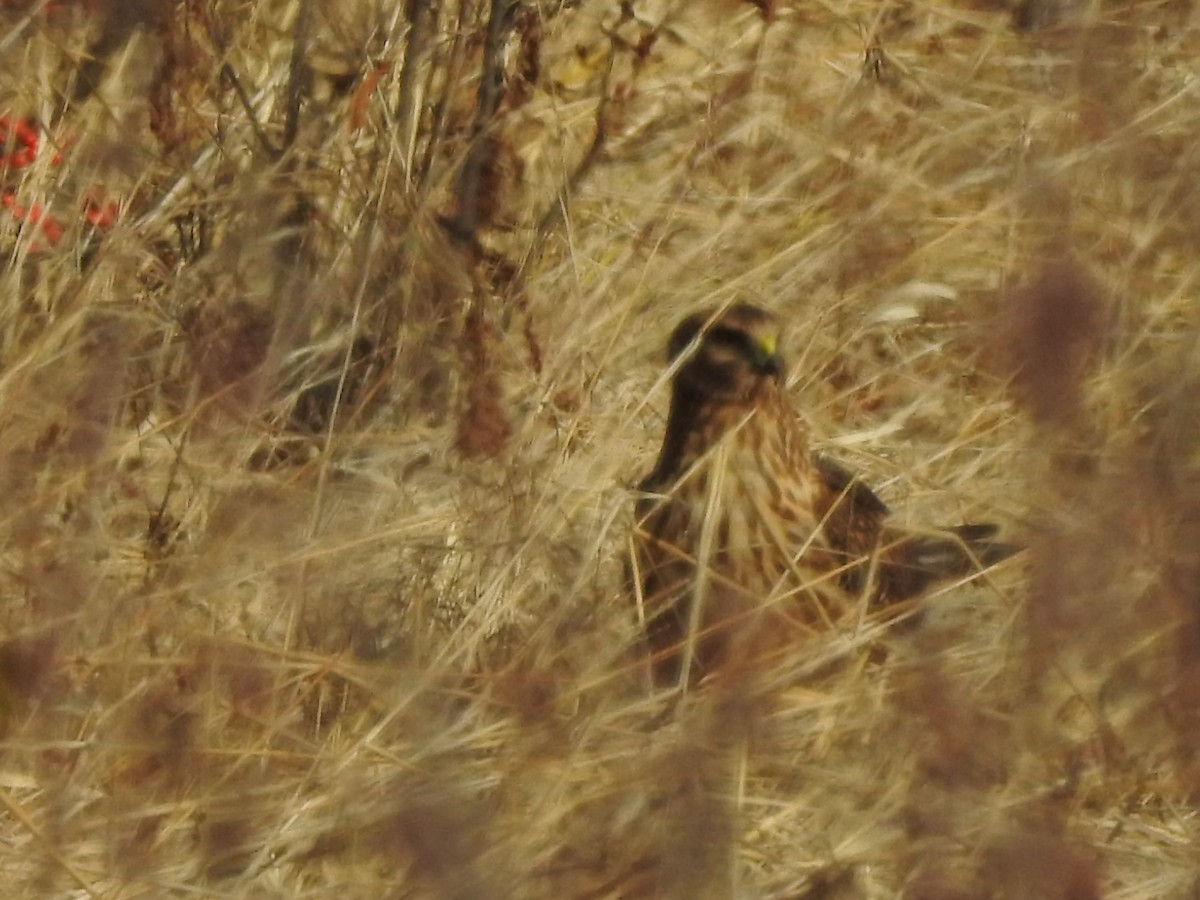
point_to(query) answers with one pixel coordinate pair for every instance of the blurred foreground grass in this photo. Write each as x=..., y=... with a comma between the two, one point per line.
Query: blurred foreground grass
x=316, y=448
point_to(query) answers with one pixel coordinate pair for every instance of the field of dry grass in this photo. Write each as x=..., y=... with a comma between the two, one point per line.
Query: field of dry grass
x=331, y=351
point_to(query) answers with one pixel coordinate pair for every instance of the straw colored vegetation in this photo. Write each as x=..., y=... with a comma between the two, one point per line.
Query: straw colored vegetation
x=331, y=354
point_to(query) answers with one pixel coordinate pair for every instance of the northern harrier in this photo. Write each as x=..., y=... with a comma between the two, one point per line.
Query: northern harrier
x=746, y=539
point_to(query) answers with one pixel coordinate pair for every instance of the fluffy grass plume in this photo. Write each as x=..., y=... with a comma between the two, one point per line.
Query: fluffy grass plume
x=331, y=351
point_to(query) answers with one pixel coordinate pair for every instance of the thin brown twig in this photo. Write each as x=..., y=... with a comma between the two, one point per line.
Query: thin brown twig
x=297, y=76
x=228, y=73
x=491, y=90
x=420, y=16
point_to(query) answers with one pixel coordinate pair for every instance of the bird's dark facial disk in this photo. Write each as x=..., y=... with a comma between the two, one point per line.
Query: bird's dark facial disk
x=731, y=353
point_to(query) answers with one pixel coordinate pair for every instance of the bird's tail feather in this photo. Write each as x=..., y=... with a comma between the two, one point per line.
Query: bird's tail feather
x=917, y=560
x=970, y=548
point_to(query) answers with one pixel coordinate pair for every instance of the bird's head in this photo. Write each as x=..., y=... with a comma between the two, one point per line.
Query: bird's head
x=729, y=354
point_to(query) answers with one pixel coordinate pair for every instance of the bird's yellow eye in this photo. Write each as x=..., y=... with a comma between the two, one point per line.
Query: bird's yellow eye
x=769, y=345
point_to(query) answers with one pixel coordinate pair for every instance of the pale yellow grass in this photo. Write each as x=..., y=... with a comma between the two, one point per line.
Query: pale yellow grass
x=395, y=656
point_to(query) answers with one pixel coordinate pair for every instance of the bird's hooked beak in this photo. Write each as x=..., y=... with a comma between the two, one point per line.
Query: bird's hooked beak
x=766, y=358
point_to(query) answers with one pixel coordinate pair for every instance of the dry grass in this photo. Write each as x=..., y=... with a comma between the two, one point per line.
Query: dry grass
x=317, y=464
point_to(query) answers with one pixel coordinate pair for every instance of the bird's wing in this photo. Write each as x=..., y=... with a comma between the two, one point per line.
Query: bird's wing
x=852, y=518
x=843, y=486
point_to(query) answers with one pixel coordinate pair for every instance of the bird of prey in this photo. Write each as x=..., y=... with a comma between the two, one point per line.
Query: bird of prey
x=745, y=539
